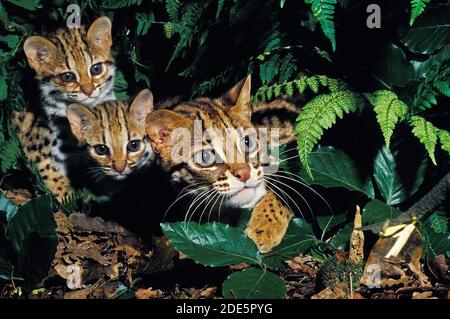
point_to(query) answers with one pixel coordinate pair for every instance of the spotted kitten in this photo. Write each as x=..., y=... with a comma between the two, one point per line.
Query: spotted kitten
x=236, y=183
x=72, y=66
x=114, y=134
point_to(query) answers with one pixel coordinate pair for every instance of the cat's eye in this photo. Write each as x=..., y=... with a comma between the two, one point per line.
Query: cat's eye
x=96, y=68
x=134, y=146
x=67, y=77
x=249, y=143
x=204, y=158
x=101, y=149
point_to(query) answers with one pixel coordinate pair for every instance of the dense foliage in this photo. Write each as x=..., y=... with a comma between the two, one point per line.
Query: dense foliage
x=376, y=100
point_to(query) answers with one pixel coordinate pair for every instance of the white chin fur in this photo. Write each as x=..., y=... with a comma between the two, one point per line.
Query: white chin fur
x=248, y=197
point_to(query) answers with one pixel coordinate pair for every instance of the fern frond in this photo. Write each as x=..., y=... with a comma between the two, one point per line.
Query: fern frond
x=220, y=4
x=10, y=152
x=173, y=9
x=444, y=139
x=426, y=133
x=417, y=8
x=389, y=110
x=323, y=11
x=314, y=82
x=117, y=4
x=71, y=203
x=319, y=114
x=443, y=87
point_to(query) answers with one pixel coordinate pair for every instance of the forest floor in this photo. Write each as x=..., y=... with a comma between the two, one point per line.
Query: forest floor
x=100, y=259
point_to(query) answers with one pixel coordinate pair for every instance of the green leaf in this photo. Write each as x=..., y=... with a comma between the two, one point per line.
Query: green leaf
x=7, y=207
x=319, y=114
x=376, y=211
x=388, y=178
x=328, y=222
x=323, y=11
x=333, y=168
x=393, y=69
x=434, y=242
x=12, y=40
x=342, y=237
x=26, y=4
x=438, y=222
x=430, y=32
x=299, y=238
x=444, y=139
x=253, y=283
x=6, y=269
x=120, y=86
x=32, y=233
x=212, y=244
x=389, y=110
x=426, y=133
x=417, y=8
x=3, y=88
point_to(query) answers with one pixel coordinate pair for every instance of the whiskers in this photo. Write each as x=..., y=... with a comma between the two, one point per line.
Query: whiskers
x=279, y=184
x=96, y=173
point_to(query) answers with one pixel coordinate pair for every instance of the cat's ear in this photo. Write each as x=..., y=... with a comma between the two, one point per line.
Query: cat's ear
x=99, y=33
x=278, y=114
x=81, y=120
x=159, y=126
x=40, y=52
x=240, y=96
x=141, y=106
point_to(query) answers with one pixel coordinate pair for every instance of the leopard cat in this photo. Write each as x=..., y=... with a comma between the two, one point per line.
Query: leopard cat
x=213, y=177
x=72, y=66
x=114, y=135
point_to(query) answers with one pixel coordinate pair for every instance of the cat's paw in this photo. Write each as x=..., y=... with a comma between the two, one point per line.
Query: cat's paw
x=268, y=223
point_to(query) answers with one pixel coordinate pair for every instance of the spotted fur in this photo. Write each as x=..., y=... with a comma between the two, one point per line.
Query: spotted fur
x=114, y=134
x=238, y=182
x=73, y=51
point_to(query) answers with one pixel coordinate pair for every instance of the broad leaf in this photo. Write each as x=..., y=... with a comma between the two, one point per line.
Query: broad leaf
x=6, y=268
x=435, y=241
x=430, y=32
x=299, y=238
x=26, y=4
x=212, y=244
x=253, y=283
x=32, y=232
x=342, y=237
x=393, y=69
x=333, y=168
x=328, y=222
x=388, y=179
x=376, y=211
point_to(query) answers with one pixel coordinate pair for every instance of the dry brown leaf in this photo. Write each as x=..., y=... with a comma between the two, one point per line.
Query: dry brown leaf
x=337, y=292
x=148, y=294
x=208, y=292
x=403, y=270
x=18, y=196
x=423, y=295
x=239, y=266
x=77, y=294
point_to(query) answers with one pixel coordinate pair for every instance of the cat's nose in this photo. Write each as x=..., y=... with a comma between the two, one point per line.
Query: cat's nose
x=87, y=88
x=119, y=167
x=242, y=173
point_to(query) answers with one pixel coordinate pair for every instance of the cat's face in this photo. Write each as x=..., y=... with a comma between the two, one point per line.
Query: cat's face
x=74, y=66
x=114, y=134
x=235, y=179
